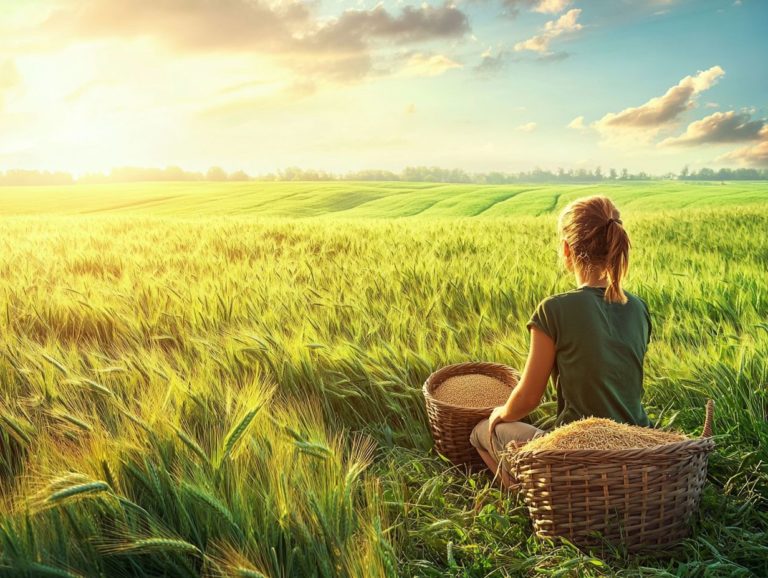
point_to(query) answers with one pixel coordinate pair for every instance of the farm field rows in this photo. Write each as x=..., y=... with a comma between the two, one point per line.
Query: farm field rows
x=188, y=390
x=367, y=199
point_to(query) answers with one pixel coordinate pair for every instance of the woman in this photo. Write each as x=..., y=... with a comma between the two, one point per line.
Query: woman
x=592, y=339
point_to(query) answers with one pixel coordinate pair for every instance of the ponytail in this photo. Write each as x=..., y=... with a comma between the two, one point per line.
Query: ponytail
x=616, y=261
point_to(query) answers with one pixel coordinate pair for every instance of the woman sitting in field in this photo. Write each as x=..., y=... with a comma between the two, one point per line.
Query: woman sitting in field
x=592, y=339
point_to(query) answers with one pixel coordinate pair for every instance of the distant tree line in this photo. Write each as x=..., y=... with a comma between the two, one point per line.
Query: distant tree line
x=22, y=177
x=118, y=175
x=707, y=174
x=139, y=174
x=412, y=174
x=441, y=175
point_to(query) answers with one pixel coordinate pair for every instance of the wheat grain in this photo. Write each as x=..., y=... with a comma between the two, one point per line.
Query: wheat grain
x=248, y=573
x=602, y=434
x=238, y=431
x=210, y=500
x=79, y=490
x=472, y=390
x=160, y=545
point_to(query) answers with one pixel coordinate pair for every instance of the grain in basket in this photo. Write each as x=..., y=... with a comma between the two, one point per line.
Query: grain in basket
x=602, y=434
x=472, y=390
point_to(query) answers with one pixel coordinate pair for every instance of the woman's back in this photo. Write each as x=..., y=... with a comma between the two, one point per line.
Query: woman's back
x=600, y=347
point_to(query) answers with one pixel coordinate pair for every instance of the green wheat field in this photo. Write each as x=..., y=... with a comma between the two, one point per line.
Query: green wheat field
x=212, y=380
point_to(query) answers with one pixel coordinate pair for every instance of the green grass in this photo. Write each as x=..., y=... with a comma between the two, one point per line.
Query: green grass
x=238, y=396
x=367, y=200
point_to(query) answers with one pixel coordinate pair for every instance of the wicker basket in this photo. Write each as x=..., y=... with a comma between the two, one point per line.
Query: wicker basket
x=451, y=425
x=643, y=498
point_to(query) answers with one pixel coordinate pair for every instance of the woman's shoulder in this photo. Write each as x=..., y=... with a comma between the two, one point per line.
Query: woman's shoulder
x=554, y=299
x=636, y=300
x=563, y=295
x=556, y=302
x=566, y=296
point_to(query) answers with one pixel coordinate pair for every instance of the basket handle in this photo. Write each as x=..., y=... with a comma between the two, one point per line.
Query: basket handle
x=707, y=433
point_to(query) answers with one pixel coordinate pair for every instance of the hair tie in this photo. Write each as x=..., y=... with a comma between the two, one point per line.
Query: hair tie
x=612, y=220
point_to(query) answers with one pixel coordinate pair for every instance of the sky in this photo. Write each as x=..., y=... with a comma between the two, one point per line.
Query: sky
x=337, y=85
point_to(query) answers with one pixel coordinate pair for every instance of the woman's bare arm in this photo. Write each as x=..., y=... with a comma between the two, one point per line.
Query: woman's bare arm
x=529, y=391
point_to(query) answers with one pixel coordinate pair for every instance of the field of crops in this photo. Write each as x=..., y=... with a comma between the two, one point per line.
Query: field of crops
x=367, y=200
x=224, y=395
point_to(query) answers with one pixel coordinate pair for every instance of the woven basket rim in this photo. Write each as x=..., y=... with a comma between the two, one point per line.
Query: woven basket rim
x=428, y=386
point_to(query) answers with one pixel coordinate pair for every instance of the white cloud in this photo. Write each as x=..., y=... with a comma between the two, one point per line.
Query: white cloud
x=491, y=64
x=577, y=123
x=662, y=111
x=292, y=32
x=720, y=127
x=541, y=6
x=527, y=127
x=419, y=64
x=567, y=23
x=551, y=6
x=754, y=155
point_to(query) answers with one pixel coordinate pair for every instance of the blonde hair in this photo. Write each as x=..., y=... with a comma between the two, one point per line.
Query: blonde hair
x=592, y=227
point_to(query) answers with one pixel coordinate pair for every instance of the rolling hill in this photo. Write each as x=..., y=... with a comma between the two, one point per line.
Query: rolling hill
x=366, y=199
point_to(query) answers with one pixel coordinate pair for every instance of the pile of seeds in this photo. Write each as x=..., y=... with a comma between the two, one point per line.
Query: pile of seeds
x=472, y=390
x=602, y=434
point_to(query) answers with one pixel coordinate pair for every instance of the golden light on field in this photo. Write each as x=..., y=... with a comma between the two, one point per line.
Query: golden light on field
x=214, y=338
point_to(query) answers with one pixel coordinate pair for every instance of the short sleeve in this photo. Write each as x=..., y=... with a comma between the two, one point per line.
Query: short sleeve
x=543, y=318
x=647, y=319
x=647, y=315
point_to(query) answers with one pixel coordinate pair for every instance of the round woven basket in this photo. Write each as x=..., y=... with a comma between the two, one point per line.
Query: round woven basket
x=451, y=425
x=641, y=498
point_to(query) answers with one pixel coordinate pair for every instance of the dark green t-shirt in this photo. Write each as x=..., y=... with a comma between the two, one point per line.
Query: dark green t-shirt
x=599, y=352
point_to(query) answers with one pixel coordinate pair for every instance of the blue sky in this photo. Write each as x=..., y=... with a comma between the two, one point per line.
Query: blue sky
x=482, y=85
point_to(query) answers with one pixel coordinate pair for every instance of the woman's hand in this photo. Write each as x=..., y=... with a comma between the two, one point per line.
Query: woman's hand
x=498, y=415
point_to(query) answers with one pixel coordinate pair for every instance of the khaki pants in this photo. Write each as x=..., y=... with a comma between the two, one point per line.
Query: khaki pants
x=503, y=433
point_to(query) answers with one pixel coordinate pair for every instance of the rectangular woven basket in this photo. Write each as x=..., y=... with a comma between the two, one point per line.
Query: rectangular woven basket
x=643, y=499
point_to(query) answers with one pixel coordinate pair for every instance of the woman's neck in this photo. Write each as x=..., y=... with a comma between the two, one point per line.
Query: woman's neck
x=594, y=280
